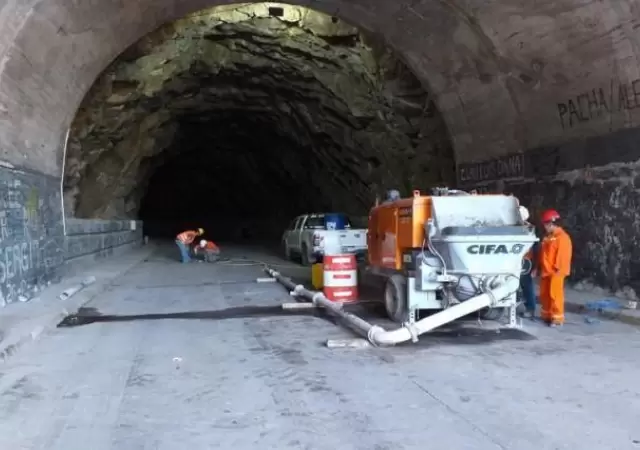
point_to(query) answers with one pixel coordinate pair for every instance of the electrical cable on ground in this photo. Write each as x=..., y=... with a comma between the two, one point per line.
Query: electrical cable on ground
x=240, y=262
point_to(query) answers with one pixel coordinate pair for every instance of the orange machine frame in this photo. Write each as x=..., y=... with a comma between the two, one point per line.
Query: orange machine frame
x=395, y=227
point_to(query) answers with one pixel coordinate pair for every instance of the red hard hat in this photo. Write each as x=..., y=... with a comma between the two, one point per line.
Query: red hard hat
x=550, y=215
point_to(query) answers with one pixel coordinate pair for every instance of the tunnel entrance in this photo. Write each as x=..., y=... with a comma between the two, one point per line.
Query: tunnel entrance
x=240, y=117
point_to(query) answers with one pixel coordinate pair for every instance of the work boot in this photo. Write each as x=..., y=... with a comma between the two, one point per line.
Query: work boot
x=528, y=315
x=555, y=324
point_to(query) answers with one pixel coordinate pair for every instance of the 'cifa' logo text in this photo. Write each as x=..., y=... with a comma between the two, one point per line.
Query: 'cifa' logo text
x=493, y=249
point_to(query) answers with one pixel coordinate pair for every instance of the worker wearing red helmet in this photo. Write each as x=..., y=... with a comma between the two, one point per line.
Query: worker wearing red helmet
x=554, y=266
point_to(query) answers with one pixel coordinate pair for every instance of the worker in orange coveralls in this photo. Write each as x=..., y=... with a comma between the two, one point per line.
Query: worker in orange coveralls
x=554, y=265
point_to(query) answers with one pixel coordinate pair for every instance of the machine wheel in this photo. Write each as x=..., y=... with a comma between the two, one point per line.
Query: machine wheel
x=395, y=299
x=493, y=313
x=304, y=256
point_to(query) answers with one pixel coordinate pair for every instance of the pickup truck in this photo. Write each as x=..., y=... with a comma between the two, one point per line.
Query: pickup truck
x=306, y=234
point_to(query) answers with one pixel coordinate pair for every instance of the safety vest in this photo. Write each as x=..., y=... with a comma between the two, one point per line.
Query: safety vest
x=210, y=246
x=187, y=237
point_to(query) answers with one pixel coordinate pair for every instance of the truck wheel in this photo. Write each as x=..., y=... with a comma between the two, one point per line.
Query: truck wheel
x=304, y=256
x=493, y=313
x=286, y=253
x=395, y=299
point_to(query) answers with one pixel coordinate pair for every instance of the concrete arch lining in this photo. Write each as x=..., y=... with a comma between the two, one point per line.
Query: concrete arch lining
x=41, y=85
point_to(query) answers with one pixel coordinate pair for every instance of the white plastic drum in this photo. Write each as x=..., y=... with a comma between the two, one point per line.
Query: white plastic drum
x=340, y=278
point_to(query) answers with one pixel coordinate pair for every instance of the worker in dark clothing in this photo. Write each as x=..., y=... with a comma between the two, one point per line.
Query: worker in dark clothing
x=528, y=269
x=526, y=283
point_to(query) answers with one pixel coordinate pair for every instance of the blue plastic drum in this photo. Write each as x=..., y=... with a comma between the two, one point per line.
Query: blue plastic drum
x=335, y=221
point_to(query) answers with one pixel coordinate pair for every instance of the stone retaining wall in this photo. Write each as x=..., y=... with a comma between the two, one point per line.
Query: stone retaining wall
x=89, y=240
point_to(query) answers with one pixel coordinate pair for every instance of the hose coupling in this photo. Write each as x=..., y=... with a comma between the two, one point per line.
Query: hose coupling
x=371, y=334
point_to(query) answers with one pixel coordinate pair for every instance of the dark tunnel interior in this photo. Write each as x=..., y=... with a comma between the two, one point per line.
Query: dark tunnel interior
x=235, y=171
x=237, y=119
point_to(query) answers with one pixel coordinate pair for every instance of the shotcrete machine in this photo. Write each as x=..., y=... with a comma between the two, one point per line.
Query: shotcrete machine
x=442, y=256
x=440, y=251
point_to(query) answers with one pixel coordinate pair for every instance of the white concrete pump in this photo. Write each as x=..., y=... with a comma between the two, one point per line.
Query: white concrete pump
x=469, y=259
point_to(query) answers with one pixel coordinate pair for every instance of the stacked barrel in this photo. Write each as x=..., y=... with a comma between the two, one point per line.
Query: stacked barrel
x=340, y=278
x=337, y=275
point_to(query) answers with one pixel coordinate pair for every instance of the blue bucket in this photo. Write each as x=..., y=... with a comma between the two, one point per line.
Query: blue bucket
x=335, y=221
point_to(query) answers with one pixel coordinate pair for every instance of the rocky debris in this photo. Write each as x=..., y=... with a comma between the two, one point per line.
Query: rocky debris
x=250, y=111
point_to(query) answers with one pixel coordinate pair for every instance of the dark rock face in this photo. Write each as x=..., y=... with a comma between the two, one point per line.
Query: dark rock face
x=594, y=184
x=253, y=119
x=600, y=209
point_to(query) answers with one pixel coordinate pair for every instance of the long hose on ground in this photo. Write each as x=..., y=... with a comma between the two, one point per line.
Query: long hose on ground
x=378, y=335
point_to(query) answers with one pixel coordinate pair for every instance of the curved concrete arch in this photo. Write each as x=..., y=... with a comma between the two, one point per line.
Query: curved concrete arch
x=42, y=85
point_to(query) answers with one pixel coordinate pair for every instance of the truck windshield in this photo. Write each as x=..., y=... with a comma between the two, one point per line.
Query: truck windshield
x=316, y=222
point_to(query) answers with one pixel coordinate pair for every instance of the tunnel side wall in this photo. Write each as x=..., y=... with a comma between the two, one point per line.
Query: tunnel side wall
x=31, y=233
x=34, y=252
x=90, y=241
x=594, y=184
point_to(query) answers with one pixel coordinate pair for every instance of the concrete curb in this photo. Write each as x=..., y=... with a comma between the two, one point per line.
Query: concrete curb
x=620, y=316
x=69, y=304
x=623, y=315
x=10, y=348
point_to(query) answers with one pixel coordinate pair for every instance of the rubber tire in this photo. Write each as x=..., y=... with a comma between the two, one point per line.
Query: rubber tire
x=493, y=313
x=286, y=253
x=304, y=256
x=395, y=299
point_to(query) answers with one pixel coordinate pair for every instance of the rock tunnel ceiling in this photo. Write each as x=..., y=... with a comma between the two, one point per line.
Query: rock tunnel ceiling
x=254, y=112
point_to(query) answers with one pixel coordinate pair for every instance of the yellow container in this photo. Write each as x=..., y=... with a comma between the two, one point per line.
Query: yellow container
x=317, y=275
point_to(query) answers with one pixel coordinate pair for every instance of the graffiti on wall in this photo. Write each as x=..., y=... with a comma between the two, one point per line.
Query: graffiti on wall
x=30, y=234
x=598, y=102
x=485, y=172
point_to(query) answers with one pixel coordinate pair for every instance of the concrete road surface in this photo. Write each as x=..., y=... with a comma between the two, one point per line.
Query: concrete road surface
x=240, y=375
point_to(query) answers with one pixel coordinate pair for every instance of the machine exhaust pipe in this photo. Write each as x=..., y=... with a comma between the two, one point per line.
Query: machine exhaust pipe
x=378, y=335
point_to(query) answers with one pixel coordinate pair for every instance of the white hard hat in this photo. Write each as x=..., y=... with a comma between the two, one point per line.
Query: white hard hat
x=203, y=243
x=524, y=213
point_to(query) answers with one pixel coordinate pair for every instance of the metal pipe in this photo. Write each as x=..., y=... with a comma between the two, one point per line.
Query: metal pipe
x=359, y=325
x=378, y=335
x=64, y=164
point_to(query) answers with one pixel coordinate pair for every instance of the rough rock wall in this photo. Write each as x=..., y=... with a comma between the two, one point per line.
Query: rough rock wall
x=600, y=209
x=301, y=103
x=595, y=185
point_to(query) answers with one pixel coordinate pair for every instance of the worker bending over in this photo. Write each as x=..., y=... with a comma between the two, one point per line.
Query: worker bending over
x=184, y=240
x=208, y=249
x=554, y=265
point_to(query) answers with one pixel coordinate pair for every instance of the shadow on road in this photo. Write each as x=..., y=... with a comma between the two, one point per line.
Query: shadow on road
x=86, y=316
x=459, y=333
